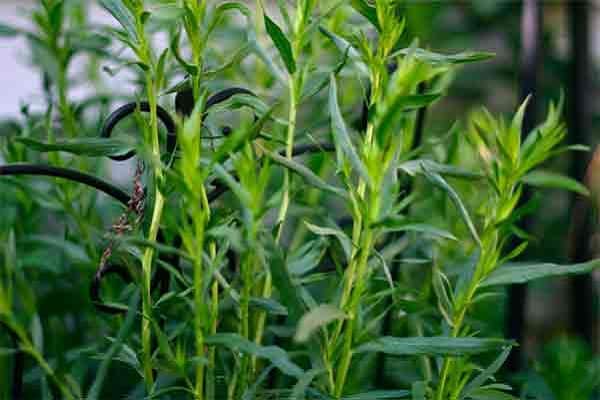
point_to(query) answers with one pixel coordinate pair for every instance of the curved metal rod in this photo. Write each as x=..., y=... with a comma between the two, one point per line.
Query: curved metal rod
x=124, y=111
x=184, y=100
x=66, y=173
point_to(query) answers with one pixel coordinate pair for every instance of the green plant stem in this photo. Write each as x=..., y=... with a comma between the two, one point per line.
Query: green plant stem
x=67, y=116
x=289, y=149
x=460, y=311
x=210, y=383
x=350, y=323
x=247, y=276
x=159, y=202
x=359, y=272
x=198, y=305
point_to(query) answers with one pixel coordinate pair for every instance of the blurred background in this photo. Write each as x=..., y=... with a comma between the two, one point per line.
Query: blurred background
x=543, y=48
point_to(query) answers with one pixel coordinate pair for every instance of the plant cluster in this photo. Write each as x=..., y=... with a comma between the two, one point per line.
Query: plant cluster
x=292, y=229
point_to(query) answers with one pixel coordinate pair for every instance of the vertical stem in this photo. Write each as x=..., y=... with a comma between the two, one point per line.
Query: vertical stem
x=66, y=112
x=246, y=271
x=288, y=153
x=198, y=304
x=159, y=202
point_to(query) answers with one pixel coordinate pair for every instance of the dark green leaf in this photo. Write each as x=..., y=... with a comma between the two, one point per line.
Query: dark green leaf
x=269, y=305
x=522, y=273
x=432, y=346
x=366, y=10
x=281, y=43
x=342, y=138
x=305, y=173
x=122, y=14
x=315, y=319
x=444, y=59
x=90, y=147
x=8, y=31
x=555, y=181
x=379, y=395
x=276, y=355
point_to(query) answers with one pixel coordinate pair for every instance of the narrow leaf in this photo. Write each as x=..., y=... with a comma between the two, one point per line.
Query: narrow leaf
x=90, y=147
x=340, y=133
x=281, y=43
x=305, y=173
x=552, y=180
x=443, y=59
x=122, y=14
x=379, y=395
x=315, y=319
x=522, y=273
x=488, y=373
x=276, y=355
x=345, y=241
x=432, y=346
x=437, y=180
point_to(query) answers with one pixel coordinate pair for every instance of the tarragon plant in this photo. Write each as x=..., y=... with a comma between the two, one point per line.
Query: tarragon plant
x=294, y=228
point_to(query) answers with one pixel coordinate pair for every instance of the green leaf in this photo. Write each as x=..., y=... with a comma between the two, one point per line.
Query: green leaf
x=347, y=50
x=313, y=179
x=269, y=305
x=299, y=389
x=240, y=136
x=115, y=347
x=315, y=319
x=8, y=31
x=399, y=105
x=488, y=373
x=379, y=395
x=553, y=180
x=282, y=280
x=366, y=10
x=431, y=346
x=276, y=355
x=340, y=133
x=281, y=43
x=394, y=224
x=122, y=14
x=522, y=272
x=344, y=240
x=437, y=180
x=90, y=147
x=414, y=167
x=72, y=250
x=490, y=394
x=444, y=59
x=174, y=46
x=418, y=390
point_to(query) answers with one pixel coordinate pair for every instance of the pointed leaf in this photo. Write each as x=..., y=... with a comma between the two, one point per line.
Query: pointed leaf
x=122, y=14
x=315, y=319
x=437, y=180
x=281, y=43
x=553, y=180
x=90, y=147
x=276, y=355
x=340, y=133
x=432, y=346
x=305, y=173
x=522, y=273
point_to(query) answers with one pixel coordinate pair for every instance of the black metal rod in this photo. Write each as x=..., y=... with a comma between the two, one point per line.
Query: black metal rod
x=66, y=173
x=531, y=32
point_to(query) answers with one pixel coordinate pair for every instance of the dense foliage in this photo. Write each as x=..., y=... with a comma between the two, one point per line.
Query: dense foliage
x=290, y=228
